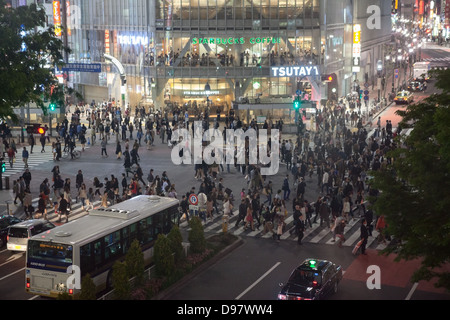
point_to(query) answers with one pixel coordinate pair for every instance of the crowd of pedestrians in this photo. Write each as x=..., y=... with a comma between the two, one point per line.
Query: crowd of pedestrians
x=338, y=153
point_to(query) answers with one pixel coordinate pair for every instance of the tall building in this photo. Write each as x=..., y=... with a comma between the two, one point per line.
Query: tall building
x=222, y=53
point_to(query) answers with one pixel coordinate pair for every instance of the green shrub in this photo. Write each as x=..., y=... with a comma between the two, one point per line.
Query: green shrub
x=121, y=282
x=163, y=257
x=88, y=289
x=196, y=236
x=176, y=245
x=134, y=261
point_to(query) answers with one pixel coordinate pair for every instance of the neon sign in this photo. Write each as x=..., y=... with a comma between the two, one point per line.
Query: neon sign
x=133, y=40
x=294, y=71
x=356, y=48
x=57, y=17
x=231, y=40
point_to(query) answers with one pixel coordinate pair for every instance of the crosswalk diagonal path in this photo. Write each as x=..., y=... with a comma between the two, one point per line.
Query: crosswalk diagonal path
x=437, y=59
x=76, y=212
x=316, y=234
x=405, y=132
x=35, y=159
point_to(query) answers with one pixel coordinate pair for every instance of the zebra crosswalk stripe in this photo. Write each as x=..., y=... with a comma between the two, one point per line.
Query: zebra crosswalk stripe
x=315, y=234
x=75, y=213
x=34, y=160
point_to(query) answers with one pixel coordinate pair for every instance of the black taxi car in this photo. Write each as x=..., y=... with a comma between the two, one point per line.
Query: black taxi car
x=314, y=279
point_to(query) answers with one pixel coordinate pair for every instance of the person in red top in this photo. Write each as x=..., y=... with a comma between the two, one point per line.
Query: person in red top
x=380, y=227
x=11, y=156
x=133, y=187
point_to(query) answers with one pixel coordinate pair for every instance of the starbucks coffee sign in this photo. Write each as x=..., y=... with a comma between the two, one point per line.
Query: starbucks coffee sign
x=294, y=71
x=231, y=40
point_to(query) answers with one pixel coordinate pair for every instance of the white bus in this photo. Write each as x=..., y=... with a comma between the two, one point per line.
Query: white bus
x=95, y=242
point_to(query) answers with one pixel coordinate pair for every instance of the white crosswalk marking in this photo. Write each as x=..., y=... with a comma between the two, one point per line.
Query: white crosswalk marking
x=35, y=159
x=437, y=59
x=315, y=234
x=75, y=213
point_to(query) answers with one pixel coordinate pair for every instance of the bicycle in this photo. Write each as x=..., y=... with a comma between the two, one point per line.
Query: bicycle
x=76, y=154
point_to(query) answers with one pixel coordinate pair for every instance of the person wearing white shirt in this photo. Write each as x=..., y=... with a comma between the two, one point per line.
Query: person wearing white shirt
x=325, y=179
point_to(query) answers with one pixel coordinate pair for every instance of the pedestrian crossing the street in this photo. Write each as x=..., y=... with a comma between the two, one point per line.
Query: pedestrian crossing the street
x=76, y=212
x=315, y=234
x=35, y=159
x=404, y=132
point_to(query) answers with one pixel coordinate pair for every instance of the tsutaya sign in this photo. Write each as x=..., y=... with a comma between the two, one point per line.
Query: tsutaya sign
x=134, y=40
x=294, y=71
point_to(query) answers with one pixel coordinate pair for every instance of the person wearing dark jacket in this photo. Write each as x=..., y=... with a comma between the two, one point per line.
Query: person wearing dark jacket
x=369, y=219
x=63, y=209
x=242, y=212
x=324, y=212
x=184, y=204
x=364, y=236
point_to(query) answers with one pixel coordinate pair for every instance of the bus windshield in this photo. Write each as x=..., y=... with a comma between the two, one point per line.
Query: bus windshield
x=49, y=255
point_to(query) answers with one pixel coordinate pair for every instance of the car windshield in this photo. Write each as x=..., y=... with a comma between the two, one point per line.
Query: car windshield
x=18, y=232
x=307, y=278
x=403, y=94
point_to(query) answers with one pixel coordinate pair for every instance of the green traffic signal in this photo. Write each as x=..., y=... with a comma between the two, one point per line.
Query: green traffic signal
x=3, y=167
x=297, y=104
x=52, y=107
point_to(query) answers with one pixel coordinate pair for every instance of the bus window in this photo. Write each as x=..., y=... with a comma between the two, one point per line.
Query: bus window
x=86, y=258
x=146, y=234
x=113, y=247
x=129, y=234
x=158, y=225
x=98, y=255
x=169, y=218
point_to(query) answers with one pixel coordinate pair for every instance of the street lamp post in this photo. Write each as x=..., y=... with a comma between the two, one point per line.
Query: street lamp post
x=394, y=64
x=399, y=61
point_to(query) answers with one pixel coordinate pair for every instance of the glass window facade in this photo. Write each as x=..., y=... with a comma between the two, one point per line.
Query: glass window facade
x=171, y=49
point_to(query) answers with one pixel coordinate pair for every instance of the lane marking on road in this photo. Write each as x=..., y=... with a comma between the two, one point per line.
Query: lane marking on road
x=12, y=258
x=11, y=274
x=257, y=281
x=414, y=287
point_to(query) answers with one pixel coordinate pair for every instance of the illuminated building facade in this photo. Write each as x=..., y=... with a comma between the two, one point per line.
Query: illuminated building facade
x=214, y=53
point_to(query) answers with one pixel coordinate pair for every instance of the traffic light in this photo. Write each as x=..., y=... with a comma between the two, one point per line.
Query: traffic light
x=52, y=106
x=327, y=78
x=36, y=129
x=40, y=130
x=297, y=103
x=3, y=166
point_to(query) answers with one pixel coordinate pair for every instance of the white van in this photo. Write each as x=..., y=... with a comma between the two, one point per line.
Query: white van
x=19, y=233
